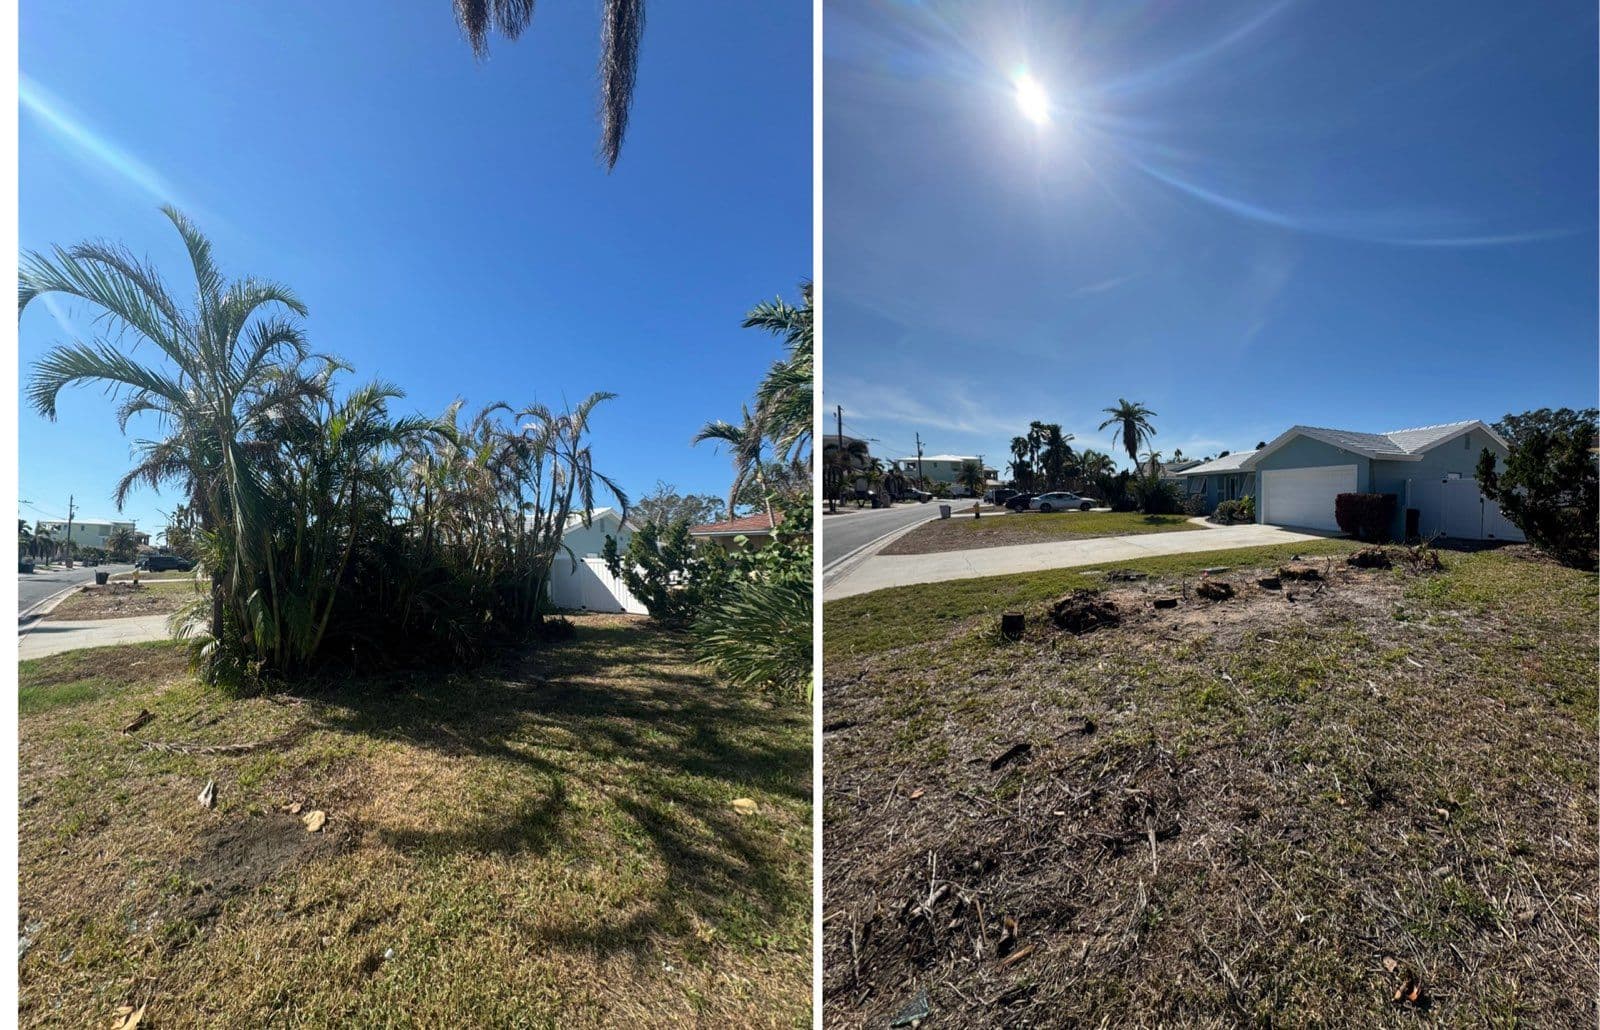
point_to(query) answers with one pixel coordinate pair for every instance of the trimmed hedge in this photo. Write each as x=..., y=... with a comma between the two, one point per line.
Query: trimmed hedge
x=1365, y=516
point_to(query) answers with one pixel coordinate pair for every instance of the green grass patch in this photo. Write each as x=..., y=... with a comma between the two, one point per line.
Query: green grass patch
x=885, y=619
x=963, y=532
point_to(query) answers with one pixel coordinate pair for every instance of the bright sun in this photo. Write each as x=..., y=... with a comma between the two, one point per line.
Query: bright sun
x=1032, y=100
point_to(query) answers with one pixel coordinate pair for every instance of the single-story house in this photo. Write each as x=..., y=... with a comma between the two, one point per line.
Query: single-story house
x=580, y=581
x=1430, y=471
x=756, y=529
x=1220, y=479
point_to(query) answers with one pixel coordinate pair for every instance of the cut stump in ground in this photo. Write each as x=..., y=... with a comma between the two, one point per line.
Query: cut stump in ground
x=1084, y=611
x=1214, y=590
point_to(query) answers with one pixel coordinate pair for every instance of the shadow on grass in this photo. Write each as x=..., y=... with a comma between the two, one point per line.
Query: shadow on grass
x=617, y=712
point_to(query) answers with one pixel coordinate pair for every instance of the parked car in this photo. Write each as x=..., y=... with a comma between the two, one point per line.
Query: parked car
x=999, y=495
x=164, y=563
x=1060, y=500
x=24, y=565
x=920, y=496
x=1019, y=502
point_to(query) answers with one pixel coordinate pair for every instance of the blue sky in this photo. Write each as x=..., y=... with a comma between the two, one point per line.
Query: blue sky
x=445, y=221
x=1246, y=216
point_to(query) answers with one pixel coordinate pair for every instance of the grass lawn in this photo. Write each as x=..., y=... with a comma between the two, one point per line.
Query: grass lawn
x=962, y=532
x=550, y=842
x=117, y=600
x=1249, y=812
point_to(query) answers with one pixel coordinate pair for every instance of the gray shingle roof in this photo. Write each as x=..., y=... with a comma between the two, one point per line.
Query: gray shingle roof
x=1423, y=437
x=1226, y=463
x=1398, y=444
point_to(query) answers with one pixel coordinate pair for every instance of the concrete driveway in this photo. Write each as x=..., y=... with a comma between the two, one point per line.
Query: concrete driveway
x=882, y=571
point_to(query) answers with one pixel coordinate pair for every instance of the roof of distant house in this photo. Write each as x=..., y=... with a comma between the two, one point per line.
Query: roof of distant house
x=1226, y=463
x=746, y=525
x=942, y=457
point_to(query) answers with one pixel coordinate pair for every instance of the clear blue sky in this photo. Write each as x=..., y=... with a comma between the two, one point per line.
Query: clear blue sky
x=1363, y=215
x=446, y=221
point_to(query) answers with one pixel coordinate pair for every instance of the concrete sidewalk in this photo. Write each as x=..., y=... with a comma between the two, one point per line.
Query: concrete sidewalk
x=881, y=571
x=48, y=637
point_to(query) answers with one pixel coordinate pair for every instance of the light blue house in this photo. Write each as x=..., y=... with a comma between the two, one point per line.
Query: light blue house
x=1220, y=479
x=1429, y=470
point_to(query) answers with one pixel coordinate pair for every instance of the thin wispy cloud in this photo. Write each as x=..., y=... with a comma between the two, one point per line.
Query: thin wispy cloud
x=93, y=147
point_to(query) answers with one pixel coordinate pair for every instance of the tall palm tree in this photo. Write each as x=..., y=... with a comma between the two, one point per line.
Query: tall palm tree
x=1038, y=432
x=221, y=362
x=621, y=29
x=783, y=400
x=838, y=461
x=1056, y=455
x=744, y=443
x=1133, y=426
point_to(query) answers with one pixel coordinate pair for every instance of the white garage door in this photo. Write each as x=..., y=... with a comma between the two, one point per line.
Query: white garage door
x=1304, y=497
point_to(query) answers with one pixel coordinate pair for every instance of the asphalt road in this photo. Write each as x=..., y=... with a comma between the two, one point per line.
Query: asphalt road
x=37, y=586
x=843, y=533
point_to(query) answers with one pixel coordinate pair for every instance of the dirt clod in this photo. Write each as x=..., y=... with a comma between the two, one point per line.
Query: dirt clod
x=1084, y=611
x=1299, y=573
x=1214, y=590
x=1370, y=558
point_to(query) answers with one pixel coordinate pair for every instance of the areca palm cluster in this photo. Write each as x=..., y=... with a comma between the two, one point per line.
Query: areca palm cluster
x=331, y=530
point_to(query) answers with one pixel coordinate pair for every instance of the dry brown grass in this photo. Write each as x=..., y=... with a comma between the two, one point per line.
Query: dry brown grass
x=1233, y=813
x=120, y=600
x=547, y=843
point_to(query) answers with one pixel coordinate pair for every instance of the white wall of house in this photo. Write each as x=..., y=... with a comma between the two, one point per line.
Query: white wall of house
x=90, y=533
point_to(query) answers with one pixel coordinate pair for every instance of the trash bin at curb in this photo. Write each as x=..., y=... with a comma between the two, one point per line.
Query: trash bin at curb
x=100, y=578
x=944, y=511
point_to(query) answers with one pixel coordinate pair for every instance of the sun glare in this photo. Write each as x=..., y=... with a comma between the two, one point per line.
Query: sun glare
x=1032, y=100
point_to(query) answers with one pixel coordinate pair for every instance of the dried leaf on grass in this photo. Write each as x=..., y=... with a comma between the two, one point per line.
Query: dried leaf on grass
x=208, y=794
x=745, y=806
x=314, y=820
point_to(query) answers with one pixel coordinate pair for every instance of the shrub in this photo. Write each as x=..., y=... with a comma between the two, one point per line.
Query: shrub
x=664, y=569
x=1197, y=504
x=1365, y=516
x=1227, y=513
x=1152, y=496
x=1247, y=508
x=1548, y=487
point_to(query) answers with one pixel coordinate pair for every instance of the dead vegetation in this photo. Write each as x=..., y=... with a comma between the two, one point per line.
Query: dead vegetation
x=1365, y=798
x=120, y=599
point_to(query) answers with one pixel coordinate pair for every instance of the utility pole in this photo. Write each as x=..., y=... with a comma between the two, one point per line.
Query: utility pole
x=922, y=484
x=72, y=509
x=844, y=458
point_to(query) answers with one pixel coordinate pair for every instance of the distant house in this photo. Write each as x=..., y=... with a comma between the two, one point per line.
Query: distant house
x=1172, y=471
x=580, y=581
x=1220, y=479
x=1430, y=471
x=945, y=469
x=756, y=530
x=86, y=533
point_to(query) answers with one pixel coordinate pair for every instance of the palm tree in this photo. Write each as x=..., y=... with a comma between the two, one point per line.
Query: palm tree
x=744, y=447
x=839, y=460
x=783, y=400
x=1055, y=455
x=222, y=368
x=1133, y=425
x=621, y=28
x=122, y=544
x=1038, y=432
x=971, y=477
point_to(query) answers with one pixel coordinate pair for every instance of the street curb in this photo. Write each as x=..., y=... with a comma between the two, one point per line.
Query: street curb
x=843, y=567
x=45, y=607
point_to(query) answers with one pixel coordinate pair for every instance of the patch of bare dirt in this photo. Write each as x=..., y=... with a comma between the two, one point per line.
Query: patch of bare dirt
x=238, y=856
x=120, y=600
